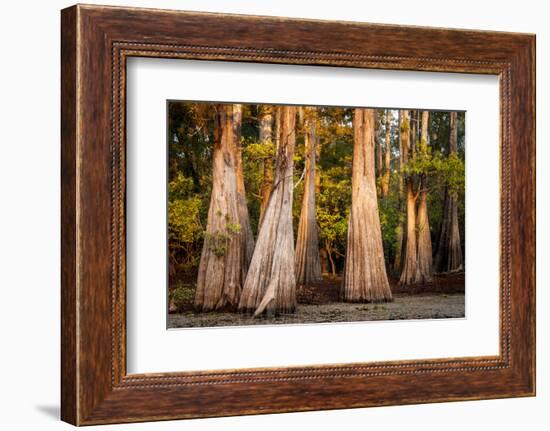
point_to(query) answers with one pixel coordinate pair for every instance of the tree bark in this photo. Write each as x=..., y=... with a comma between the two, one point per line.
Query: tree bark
x=247, y=237
x=386, y=171
x=220, y=269
x=449, y=250
x=308, y=265
x=425, y=268
x=410, y=262
x=409, y=268
x=270, y=285
x=365, y=278
x=404, y=138
x=324, y=260
x=266, y=127
x=379, y=152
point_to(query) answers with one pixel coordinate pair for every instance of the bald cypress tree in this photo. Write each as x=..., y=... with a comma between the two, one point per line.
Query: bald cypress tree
x=270, y=285
x=220, y=273
x=449, y=250
x=308, y=265
x=424, y=246
x=247, y=237
x=365, y=278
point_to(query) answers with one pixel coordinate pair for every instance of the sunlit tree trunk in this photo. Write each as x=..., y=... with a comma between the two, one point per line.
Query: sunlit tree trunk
x=270, y=285
x=386, y=170
x=247, y=237
x=379, y=153
x=266, y=126
x=308, y=265
x=220, y=269
x=365, y=278
x=425, y=269
x=449, y=250
x=410, y=263
x=404, y=137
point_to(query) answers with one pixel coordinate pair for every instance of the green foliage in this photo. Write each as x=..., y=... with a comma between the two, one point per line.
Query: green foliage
x=391, y=219
x=190, y=145
x=181, y=294
x=441, y=170
x=233, y=228
x=255, y=151
x=218, y=241
x=333, y=205
x=185, y=227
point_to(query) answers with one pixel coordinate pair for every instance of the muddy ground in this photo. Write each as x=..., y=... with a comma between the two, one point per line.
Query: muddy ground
x=320, y=303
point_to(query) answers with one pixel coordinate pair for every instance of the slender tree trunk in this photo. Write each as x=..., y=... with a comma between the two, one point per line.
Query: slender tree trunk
x=409, y=268
x=247, y=237
x=425, y=269
x=308, y=265
x=270, y=285
x=220, y=269
x=365, y=278
x=331, y=259
x=266, y=126
x=324, y=260
x=379, y=152
x=449, y=251
x=386, y=171
x=410, y=262
x=412, y=142
x=404, y=137
x=190, y=161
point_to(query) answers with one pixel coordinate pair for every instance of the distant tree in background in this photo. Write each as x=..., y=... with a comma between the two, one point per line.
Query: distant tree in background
x=308, y=265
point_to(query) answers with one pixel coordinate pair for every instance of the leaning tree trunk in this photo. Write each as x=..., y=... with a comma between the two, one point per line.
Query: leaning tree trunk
x=449, y=251
x=247, y=237
x=270, y=285
x=365, y=278
x=220, y=276
x=386, y=171
x=308, y=265
x=404, y=138
x=425, y=269
x=266, y=126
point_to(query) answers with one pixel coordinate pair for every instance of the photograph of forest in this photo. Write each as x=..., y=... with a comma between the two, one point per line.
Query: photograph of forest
x=281, y=214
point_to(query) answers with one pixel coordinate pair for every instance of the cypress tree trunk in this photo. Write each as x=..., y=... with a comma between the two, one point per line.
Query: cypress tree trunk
x=308, y=265
x=386, y=171
x=409, y=268
x=410, y=262
x=379, y=152
x=220, y=268
x=449, y=251
x=404, y=137
x=425, y=269
x=365, y=278
x=247, y=237
x=270, y=285
x=266, y=126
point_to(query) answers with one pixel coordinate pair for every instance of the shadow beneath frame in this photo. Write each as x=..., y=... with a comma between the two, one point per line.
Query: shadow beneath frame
x=52, y=411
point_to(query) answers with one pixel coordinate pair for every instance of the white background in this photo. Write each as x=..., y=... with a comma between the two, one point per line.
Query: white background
x=151, y=348
x=29, y=220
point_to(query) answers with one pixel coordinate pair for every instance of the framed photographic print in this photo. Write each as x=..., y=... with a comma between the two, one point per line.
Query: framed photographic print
x=267, y=215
